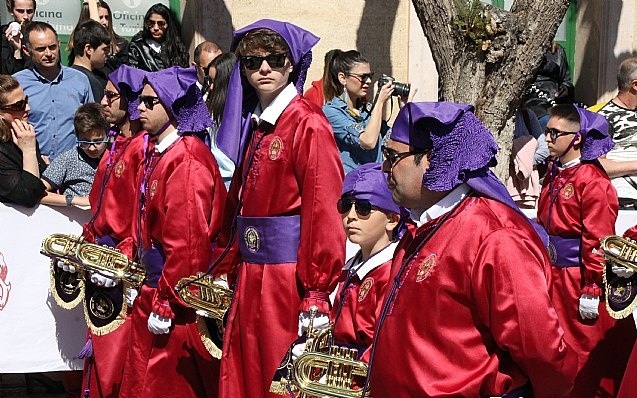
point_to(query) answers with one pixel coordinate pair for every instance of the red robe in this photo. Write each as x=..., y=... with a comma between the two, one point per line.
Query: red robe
x=472, y=316
x=296, y=170
x=184, y=202
x=112, y=199
x=585, y=205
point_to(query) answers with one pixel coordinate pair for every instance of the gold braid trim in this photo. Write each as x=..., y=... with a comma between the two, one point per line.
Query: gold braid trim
x=58, y=300
x=616, y=314
x=101, y=331
x=205, y=338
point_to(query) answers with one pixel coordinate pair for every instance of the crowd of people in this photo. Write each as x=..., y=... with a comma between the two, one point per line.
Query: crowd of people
x=224, y=166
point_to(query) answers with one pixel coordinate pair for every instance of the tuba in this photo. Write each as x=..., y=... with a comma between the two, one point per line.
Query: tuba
x=93, y=257
x=209, y=299
x=621, y=251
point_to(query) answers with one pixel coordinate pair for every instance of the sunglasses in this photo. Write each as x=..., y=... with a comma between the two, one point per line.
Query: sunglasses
x=160, y=24
x=253, y=62
x=362, y=207
x=149, y=101
x=111, y=95
x=88, y=144
x=19, y=106
x=362, y=77
x=394, y=157
x=555, y=133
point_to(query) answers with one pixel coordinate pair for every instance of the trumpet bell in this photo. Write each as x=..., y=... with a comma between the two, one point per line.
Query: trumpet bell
x=620, y=250
x=201, y=293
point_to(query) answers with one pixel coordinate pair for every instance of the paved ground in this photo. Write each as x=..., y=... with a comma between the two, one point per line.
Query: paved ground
x=15, y=386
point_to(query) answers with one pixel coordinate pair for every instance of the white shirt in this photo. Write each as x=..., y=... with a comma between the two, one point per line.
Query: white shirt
x=167, y=141
x=443, y=206
x=273, y=111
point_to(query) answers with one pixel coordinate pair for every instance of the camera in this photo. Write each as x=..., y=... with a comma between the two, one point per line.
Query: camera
x=400, y=89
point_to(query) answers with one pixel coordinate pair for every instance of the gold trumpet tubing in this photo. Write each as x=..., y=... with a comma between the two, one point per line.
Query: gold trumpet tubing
x=200, y=293
x=98, y=258
x=620, y=250
x=336, y=368
x=61, y=247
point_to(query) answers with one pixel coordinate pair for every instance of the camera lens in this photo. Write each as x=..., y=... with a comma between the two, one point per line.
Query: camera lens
x=401, y=89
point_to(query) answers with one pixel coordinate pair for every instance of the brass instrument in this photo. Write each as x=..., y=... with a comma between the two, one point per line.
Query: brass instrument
x=209, y=299
x=621, y=251
x=93, y=257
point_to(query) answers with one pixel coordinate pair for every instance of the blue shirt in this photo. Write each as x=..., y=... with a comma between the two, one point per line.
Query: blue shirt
x=53, y=105
x=347, y=130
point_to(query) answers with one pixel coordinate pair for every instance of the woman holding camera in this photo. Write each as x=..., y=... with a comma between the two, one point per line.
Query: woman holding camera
x=358, y=125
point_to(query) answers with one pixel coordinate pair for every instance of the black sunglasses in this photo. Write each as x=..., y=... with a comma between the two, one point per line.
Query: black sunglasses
x=362, y=207
x=19, y=106
x=394, y=157
x=362, y=77
x=149, y=101
x=111, y=95
x=150, y=23
x=253, y=62
x=555, y=133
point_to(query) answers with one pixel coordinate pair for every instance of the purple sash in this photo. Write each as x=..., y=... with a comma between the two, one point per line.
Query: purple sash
x=269, y=240
x=153, y=262
x=564, y=252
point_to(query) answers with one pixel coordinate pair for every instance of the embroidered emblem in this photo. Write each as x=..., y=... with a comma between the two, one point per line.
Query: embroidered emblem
x=364, y=289
x=276, y=148
x=153, y=188
x=424, y=270
x=5, y=287
x=119, y=168
x=69, y=282
x=568, y=191
x=552, y=252
x=101, y=306
x=251, y=238
x=620, y=294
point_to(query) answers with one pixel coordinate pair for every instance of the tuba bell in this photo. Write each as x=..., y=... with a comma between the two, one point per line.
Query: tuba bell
x=621, y=251
x=201, y=293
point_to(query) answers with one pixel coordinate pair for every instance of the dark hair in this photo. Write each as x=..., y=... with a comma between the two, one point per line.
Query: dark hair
x=566, y=112
x=626, y=74
x=262, y=39
x=340, y=62
x=8, y=84
x=11, y=5
x=173, y=49
x=223, y=64
x=89, y=32
x=38, y=26
x=89, y=117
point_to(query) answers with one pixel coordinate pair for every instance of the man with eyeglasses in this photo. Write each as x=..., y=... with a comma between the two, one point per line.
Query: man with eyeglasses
x=288, y=178
x=467, y=312
x=578, y=206
x=55, y=91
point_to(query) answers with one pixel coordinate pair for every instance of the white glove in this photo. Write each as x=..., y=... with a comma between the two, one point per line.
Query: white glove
x=321, y=321
x=222, y=281
x=103, y=278
x=66, y=266
x=588, y=306
x=130, y=294
x=622, y=271
x=158, y=324
x=297, y=350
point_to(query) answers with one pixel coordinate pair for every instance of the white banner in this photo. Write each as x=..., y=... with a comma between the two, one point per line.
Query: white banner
x=35, y=334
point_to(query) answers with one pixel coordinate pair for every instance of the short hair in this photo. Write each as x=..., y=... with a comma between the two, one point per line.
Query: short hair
x=89, y=32
x=8, y=83
x=626, y=74
x=90, y=117
x=38, y=26
x=340, y=62
x=262, y=39
x=11, y=5
x=207, y=46
x=565, y=112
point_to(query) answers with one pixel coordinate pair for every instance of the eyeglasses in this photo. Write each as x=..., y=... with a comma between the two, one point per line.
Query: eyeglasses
x=19, y=106
x=362, y=77
x=88, y=144
x=253, y=62
x=149, y=101
x=394, y=157
x=555, y=133
x=111, y=95
x=363, y=207
x=160, y=24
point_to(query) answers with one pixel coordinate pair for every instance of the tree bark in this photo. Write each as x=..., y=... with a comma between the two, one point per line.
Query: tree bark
x=490, y=65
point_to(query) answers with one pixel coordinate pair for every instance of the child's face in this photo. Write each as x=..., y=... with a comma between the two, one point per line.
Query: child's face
x=365, y=230
x=559, y=134
x=267, y=77
x=93, y=143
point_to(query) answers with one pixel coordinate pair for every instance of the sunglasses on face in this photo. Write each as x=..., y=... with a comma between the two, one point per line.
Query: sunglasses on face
x=160, y=24
x=111, y=95
x=555, y=133
x=362, y=77
x=394, y=157
x=149, y=101
x=362, y=207
x=253, y=62
x=88, y=144
x=19, y=106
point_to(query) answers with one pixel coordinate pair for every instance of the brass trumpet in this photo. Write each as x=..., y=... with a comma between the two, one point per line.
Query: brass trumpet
x=93, y=257
x=209, y=299
x=621, y=251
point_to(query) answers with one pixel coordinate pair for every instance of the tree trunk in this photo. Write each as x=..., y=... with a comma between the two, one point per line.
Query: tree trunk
x=487, y=58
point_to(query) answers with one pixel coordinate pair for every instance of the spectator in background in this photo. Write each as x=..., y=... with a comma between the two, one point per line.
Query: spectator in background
x=20, y=161
x=358, y=125
x=13, y=58
x=91, y=45
x=158, y=45
x=72, y=172
x=55, y=91
x=204, y=54
x=315, y=92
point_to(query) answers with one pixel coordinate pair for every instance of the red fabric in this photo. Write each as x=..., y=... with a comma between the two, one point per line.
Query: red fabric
x=586, y=205
x=304, y=177
x=314, y=94
x=183, y=207
x=467, y=321
x=631, y=233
